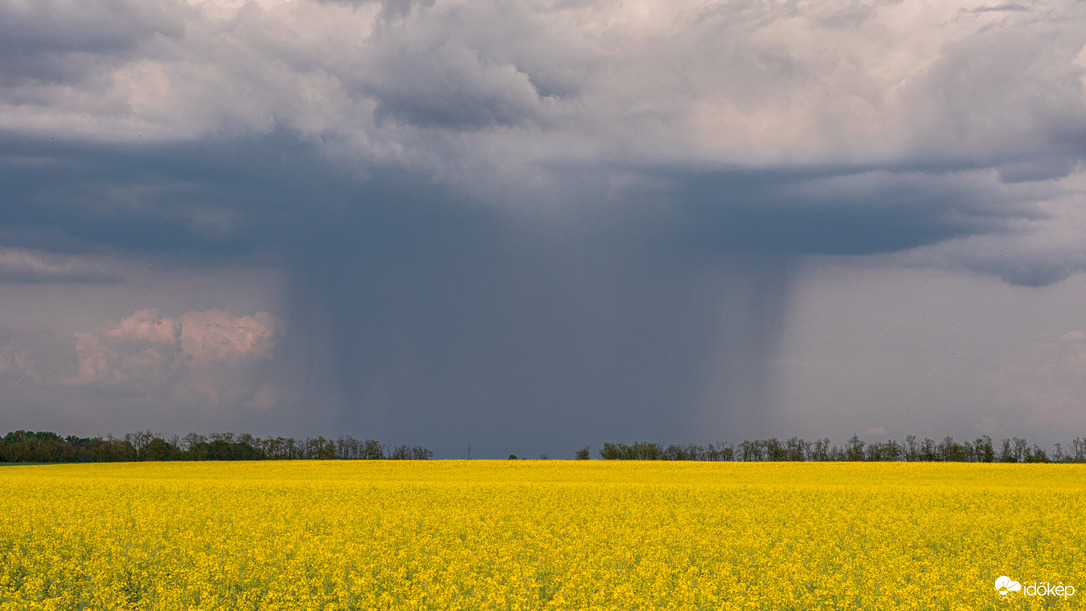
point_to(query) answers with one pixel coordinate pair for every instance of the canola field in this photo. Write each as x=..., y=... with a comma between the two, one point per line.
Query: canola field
x=541, y=535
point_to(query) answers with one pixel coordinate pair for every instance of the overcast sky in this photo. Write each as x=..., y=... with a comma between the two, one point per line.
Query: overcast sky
x=533, y=225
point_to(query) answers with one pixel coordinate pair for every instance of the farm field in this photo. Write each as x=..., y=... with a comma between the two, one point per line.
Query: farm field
x=540, y=535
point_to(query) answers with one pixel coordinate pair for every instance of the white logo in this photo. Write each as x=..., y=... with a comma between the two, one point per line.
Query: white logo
x=1004, y=585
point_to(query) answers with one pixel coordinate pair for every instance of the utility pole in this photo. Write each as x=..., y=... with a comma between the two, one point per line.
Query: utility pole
x=469, y=450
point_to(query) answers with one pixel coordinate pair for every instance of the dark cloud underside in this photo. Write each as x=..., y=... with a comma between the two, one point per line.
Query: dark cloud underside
x=517, y=222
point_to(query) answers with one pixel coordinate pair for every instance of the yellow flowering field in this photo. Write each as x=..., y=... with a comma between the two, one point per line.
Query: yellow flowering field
x=541, y=535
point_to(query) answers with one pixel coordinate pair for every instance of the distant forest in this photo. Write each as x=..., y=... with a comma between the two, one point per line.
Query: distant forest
x=983, y=449
x=46, y=447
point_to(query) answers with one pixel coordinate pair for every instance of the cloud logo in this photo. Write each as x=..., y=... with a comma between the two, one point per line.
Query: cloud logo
x=1004, y=585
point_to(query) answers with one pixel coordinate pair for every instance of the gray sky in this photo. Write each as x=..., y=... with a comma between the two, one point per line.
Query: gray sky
x=536, y=225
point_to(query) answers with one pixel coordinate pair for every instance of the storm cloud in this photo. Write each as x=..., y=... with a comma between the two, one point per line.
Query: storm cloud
x=529, y=223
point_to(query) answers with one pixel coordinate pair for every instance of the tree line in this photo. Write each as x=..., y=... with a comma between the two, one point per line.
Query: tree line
x=47, y=447
x=982, y=449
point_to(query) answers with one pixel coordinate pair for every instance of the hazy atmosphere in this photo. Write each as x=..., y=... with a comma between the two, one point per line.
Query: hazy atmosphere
x=539, y=224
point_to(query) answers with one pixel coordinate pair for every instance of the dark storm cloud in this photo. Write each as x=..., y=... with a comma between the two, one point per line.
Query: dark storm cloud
x=64, y=42
x=32, y=28
x=531, y=220
x=787, y=213
x=206, y=198
x=469, y=329
x=447, y=321
x=431, y=91
x=23, y=266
